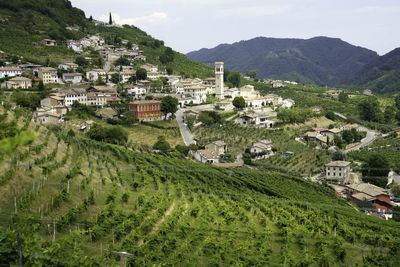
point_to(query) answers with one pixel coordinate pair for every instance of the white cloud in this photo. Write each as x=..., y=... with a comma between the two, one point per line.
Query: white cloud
x=252, y=11
x=153, y=19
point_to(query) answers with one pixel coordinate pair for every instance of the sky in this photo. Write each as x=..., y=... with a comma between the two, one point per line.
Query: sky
x=188, y=25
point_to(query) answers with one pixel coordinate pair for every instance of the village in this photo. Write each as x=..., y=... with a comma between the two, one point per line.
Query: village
x=144, y=85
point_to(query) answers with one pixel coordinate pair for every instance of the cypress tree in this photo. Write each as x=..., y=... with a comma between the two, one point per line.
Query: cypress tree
x=110, y=20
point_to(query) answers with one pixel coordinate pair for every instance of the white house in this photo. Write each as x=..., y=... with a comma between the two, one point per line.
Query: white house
x=46, y=117
x=10, y=72
x=68, y=65
x=18, y=82
x=136, y=91
x=256, y=120
x=206, y=156
x=288, y=103
x=337, y=170
x=73, y=78
x=261, y=149
x=74, y=45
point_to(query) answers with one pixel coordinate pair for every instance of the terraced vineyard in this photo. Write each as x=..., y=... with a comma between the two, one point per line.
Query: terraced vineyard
x=305, y=160
x=76, y=202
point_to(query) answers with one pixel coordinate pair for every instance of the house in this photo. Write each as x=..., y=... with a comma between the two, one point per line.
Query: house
x=68, y=66
x=277, y=84
x=113, y=100
x=46, y=117
x=10, y=72
x=19, y=82
x=191, y=112
x=95, y=74
x=365, y=192
x=96, y=99
x=256, y=120
x=49, y=42
x=351, y=126
x=206, y=156
x=74, y=45
x=332, y=93
x=72, y=78
x=135, y=91
x=144, y=84
x=126, y=75
x=146, y=109
x=106, y=90
x=338, y=170
x=52, y=101
x=48, y=75
x=74, y=94
x=330, y=133
x=288, y=103
x=316, y=137
x=261, y=149
x=219, y=147
x=149, y=67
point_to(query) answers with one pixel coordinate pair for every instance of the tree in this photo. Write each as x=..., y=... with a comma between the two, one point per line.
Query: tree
x=234, y=78
x=339, y=155
x=369, y=109
x=41, y=86
x=239, y=102
x=132, y=79
x=343, y=97
x=115, y=78
x=110, y=21
x=167, y=56
x=81, y=61
x=169, y=70
x=162, y=145
x=122, y=61
x=397, y=102
x=395, y=189
x=141, y=74
x=182, y=149
x=338, y=141
x=129, y=45
x=100, y=81
x=390, y=114
x=190, y=120
x=169, y=104
x=251, y=73
x=226, y=74
x=376, y=169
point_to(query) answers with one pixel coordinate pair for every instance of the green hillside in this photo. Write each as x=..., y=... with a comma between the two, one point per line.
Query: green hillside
x=381, y=75
x=319, y=59
x=23, y=23
x=94, y=198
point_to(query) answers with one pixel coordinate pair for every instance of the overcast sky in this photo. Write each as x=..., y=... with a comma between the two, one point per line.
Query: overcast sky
x=188, y=25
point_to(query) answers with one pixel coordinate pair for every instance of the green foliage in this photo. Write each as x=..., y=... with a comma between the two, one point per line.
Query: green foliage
x=338, y=155
x=190, y=120
x=234, y=78
x=294, y=115
x=8, y=145
x=111, y=134
x=126, y=118
x=251, y=73
x=395, y=189
x=376, y=169
x=27, y=100
x=239, y=102
x=81, y=111
x=390, y=114
x=343, y=97
x=141, y=74
x=210, y=118
x=115, y=78
x=169, y=104
x=167, y=56
x=122, y=61
x=81, y=61
x=369, y=110
x=183, y=149
x=352, y=136
x=162, y=145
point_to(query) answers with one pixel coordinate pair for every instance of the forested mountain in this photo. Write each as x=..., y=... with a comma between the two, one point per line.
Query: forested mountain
x=24, y=23
x=381, y=75
x=320, y=59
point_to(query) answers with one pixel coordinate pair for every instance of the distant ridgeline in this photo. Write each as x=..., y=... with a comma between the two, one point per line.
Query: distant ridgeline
x=319, y=60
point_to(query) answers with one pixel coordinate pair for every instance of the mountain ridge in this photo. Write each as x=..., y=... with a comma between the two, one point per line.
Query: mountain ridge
x=321, y=59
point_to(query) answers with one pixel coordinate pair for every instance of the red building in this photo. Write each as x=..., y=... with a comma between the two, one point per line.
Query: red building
x=378, y=197
x=146, y=109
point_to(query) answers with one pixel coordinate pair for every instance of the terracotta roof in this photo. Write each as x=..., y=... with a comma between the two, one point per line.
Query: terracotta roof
x=40, y=114
x=338, y=164
x=10, y=69
x=369, y=189
x=15, y=79
x=142, y=102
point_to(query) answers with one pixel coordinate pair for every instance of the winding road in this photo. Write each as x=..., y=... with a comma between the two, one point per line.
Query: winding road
x=371, y=137
x=185, y=132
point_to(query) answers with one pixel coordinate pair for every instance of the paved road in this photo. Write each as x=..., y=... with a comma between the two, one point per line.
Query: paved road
x=185, y=132
x=340, y=115
x=371, y=137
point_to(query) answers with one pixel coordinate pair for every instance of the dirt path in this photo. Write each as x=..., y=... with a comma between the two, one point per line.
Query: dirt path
x=158, y=224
